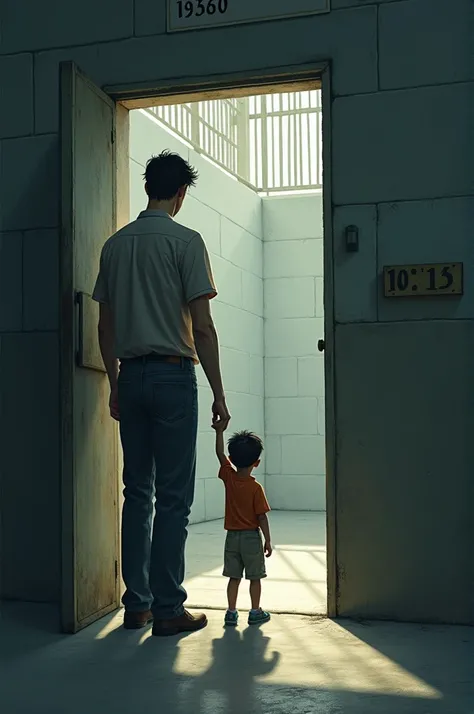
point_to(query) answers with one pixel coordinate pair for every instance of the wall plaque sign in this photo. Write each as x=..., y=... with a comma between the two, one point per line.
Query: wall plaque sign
x=200, y=14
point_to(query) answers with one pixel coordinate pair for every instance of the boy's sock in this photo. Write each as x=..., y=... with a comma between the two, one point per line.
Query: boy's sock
x=231, y=611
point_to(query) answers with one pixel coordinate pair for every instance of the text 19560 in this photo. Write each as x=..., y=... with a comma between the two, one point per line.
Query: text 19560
x=199, y=8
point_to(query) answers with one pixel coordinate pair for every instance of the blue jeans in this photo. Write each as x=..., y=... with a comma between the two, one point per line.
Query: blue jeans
x=158, y=429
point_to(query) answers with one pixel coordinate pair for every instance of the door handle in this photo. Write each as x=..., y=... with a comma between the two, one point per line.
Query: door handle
x=321, y=345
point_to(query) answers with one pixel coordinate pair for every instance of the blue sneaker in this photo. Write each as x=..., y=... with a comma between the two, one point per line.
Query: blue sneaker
x=231, y=618
x=258, y=617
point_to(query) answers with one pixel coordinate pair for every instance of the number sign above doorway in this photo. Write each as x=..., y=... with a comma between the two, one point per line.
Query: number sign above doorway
x=200, y=14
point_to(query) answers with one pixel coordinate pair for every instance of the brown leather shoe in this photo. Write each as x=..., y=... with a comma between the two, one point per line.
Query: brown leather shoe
x=137, y=620
x=184, y=623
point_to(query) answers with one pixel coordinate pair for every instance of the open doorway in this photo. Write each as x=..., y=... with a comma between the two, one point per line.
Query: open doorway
x=259, y=207
x=95, y=178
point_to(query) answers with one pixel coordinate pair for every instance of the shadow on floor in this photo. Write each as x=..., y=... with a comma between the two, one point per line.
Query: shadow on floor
x=105, y=668
x=227, y=685
x=294, y=665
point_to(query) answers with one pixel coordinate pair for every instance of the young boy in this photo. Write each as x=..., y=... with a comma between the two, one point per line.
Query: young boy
x=246, y=509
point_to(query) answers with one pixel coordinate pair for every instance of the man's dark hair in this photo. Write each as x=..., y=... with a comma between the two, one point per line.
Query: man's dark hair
x=166, y=173
x=245, y=449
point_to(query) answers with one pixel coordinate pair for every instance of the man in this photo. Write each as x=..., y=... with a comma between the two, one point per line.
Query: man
x=154, y=287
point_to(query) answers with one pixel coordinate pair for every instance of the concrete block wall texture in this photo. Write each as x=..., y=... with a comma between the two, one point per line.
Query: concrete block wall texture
x=402, y=98
x=294, y=369
x=229, y=217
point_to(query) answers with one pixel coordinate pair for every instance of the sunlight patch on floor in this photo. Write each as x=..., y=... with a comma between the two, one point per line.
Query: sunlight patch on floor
x=333, y=659
x=296, y=571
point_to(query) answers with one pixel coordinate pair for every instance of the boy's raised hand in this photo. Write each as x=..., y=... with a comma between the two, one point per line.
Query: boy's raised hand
x=219, y=427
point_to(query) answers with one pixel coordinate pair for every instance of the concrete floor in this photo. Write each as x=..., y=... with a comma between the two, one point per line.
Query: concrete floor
x=297, y=664
x=296, y=571
x=293, y=664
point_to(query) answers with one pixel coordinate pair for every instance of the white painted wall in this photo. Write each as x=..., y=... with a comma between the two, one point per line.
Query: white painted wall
x=294, y=369
x=229, y=217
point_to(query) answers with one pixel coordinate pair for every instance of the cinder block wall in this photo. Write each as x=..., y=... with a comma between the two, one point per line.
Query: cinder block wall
x=294, y=369
x=229, y=217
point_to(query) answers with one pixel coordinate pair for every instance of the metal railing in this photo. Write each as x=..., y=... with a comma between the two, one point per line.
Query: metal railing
x=285, y=141
x=270, y=142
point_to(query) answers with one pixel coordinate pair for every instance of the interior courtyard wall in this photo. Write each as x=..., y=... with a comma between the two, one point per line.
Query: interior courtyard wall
x=294, y=368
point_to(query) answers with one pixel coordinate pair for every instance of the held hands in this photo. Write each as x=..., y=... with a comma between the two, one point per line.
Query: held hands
x=220, y=415
x=267, y=548
x=219, y=426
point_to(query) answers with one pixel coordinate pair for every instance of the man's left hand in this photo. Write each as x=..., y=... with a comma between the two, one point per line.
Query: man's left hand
x=113, y=404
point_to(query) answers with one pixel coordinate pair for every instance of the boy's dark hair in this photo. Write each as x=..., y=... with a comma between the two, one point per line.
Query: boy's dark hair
x=245, y=449
x=166, y=174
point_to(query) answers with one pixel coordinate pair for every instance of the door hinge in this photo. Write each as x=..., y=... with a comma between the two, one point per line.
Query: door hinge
x=116, y=570
x=112, y=136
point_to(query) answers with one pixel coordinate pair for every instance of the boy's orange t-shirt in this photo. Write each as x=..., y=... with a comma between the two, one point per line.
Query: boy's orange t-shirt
x=245, y=500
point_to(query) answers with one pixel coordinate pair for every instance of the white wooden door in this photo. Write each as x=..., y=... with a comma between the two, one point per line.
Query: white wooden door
x=89, y=437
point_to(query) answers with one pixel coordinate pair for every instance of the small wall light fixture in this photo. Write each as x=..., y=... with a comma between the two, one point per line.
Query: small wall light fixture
x=352, y=239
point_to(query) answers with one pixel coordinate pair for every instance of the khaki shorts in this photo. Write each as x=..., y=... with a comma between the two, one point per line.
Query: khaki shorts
x=244, y=551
